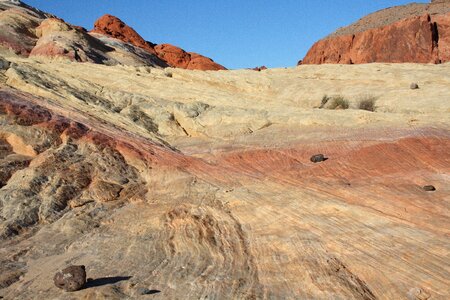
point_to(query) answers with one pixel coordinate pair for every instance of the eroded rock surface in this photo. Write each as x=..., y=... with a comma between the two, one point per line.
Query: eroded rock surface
x=416, y=33
x=206, y=177
x=174, y=56
x=200, y=184
x=30, y=32
x=116, y=28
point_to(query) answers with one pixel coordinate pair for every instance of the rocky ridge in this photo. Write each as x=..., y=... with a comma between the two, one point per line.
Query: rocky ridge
x=174, y=56
x=416, y=33
x=30, y=32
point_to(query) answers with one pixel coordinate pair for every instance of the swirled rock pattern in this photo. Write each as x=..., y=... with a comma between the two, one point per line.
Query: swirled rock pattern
x=200, y=184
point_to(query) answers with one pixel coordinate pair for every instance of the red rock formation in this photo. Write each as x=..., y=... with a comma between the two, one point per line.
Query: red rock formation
x=200, y=62
x=414, y=40
x=116, y=28
x=178, y=58
x=174, y=56
x=443, y=30
x=259, y=69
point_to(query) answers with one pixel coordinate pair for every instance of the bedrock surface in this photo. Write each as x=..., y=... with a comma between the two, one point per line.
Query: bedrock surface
x=200, y=184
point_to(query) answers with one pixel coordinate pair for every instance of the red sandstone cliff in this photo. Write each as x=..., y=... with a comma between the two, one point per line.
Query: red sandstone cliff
x=416, y=39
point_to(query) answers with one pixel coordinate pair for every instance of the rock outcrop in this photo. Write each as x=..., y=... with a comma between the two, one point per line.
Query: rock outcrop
x=17, y=24
x=178, y=58
x=116, y=28
x=197, y=185
x=382, y=37
x=30, y=32
x=174, y=56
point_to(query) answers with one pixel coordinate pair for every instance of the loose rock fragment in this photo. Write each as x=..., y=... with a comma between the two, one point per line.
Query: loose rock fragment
x=414, y=86
x=71, y=279
x=429, y=188
x=318, y=158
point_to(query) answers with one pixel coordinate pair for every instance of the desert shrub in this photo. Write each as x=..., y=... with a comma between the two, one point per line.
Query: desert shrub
x=324, y=101
x=338, y=102
x=168, y=74
x=367, y=103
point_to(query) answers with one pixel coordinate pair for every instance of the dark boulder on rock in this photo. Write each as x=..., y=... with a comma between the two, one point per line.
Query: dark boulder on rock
x=318, y=158
x=429, y=188
x=71, y=279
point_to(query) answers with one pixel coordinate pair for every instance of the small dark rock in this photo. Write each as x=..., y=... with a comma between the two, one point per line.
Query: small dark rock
x=71, y=279
x=414, y=86
x=145, y=291
x=318, y=158
x=429, y=188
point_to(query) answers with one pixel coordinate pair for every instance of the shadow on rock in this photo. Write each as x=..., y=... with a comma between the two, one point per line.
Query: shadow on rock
x=105, y=281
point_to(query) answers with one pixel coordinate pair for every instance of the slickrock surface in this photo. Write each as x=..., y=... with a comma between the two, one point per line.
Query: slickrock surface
x=174, y=56
x=200, y=184
x=411, y=33
x=30, y=32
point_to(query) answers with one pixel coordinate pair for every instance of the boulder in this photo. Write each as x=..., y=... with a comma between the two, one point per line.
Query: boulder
x=429, y=188
x=318, y=158
x=71, y=279
x=413, y=86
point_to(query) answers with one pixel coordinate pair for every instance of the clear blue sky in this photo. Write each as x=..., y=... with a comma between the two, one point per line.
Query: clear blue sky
x=234, y=33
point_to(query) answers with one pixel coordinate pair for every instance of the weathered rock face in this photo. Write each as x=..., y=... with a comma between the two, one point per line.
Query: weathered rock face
x=414, y=39
x=443, y=32
x=29, y=32
x=177, y=57
x=57, y=39
x=116, y=28
x=174, y=56
x=17, y=24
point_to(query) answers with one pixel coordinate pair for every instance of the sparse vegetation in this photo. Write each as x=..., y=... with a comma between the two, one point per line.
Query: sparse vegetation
x=168, y=74
x=367, y=103
x=324, y=101
x=338, y=102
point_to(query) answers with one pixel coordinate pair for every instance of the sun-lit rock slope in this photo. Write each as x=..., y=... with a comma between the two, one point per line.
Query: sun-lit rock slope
x=200, y=185
x=205, y=178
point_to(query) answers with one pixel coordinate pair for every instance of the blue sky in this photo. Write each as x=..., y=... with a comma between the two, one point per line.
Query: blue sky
x=235, y=33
